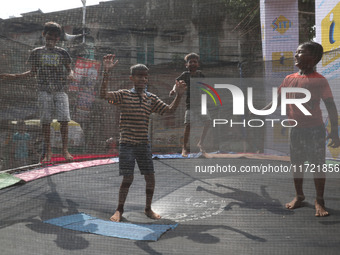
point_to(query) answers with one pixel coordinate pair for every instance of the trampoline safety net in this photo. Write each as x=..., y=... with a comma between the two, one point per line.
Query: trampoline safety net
x=247, y=44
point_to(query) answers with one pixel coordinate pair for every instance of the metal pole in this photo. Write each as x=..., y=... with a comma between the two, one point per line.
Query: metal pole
x=84, y=15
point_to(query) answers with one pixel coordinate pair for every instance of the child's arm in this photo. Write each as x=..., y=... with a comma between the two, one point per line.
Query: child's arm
x=27, y=74
x=108, y=63
x=333, y=118
x=70, y=72
x=8, y=76
x=180, y=88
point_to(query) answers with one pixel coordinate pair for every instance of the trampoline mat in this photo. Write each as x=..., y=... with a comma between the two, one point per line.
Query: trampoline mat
x=217, y=213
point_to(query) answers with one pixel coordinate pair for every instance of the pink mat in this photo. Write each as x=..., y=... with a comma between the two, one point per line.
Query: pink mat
x=47, y=171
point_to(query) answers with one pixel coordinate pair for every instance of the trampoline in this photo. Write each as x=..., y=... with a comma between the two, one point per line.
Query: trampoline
x=207, y=204
x=215, y=213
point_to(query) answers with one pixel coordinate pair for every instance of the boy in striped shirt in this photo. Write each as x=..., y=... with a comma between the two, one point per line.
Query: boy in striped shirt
x=136, y=106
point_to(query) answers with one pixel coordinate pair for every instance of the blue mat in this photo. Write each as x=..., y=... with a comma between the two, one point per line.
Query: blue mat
x=176, y=155
x=86, y=223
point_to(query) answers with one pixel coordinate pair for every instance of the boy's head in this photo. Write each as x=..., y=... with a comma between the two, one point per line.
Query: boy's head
x=52, y=33
x=138, y=67
x=139, y=74
x=313, y=49
x=191, y=56
x=21, y=125
x=192, y=61
x=52, y=27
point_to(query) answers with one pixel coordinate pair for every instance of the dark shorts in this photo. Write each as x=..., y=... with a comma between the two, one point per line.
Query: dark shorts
x=308, y=144
x=130, y=153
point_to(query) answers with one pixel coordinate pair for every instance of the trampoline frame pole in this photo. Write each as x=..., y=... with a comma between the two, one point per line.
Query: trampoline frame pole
x=84, y=15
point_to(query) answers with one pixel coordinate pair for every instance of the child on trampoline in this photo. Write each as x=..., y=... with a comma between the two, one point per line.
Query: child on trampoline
x=52, y=67
x=192, y=64
x=308, y=137
x=136, y=105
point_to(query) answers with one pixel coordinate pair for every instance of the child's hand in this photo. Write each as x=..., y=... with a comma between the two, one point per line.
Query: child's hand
x=180, y=87
x=335, y=143
x=71, y=75
x=108, y=62
x=172, y=92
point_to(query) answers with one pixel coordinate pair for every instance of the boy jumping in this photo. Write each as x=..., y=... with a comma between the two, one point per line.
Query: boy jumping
x=51, y=65
x=192, y=64
x=136, y=106
x=307, y=139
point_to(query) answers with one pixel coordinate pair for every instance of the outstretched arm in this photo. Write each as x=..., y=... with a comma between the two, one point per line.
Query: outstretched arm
x=108, y=63
x=28, y=74
x=8, y=76
x=333, y=118
x=180, y=88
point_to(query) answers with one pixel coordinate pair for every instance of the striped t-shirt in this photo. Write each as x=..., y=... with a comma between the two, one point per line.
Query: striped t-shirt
x=135, y=114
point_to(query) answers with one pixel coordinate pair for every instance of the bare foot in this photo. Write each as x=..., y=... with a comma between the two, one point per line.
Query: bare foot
x=201, y=148
x=320, y=210
x=67, y=156
x=184, y=152
x=152, y=215
x=47, y=157
x=117, y=216
x=295, y=203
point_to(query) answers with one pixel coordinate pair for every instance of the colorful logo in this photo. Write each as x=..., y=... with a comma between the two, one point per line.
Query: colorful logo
x=209, y=93
x=330, y=35
x=239, y=101
x=281, y=24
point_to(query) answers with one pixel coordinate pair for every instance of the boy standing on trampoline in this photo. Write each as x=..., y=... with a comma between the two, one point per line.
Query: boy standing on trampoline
x=136, y=105
x=52, y=67
x=192, y=64
x=308, y=138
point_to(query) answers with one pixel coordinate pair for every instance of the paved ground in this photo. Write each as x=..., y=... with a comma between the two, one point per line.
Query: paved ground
x=217, y=213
